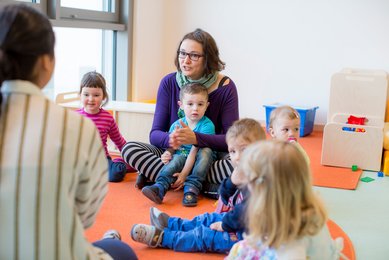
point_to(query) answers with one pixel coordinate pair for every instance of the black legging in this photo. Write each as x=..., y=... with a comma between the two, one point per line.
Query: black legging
x=146, y=159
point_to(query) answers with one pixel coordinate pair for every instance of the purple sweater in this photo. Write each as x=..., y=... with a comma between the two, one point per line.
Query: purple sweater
x=223, y=110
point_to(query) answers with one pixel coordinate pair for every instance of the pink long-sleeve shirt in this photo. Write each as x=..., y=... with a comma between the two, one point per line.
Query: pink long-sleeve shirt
x=107, y=126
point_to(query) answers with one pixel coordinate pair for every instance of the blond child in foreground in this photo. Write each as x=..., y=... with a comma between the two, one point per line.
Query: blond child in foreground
x=284, y=124
x=285, y=219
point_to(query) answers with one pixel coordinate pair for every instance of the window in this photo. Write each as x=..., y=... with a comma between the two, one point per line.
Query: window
x=86, y=39
x=88, y=10
x=91, y=49
x=96, y=5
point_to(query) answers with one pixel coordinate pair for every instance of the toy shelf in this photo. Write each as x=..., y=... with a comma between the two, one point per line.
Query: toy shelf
x=359, y=93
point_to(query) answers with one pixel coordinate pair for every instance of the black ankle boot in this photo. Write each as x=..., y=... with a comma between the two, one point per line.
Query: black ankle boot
x=142, y=181
x=211, y=190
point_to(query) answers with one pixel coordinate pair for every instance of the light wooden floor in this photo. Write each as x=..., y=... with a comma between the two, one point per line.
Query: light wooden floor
x=363, y=214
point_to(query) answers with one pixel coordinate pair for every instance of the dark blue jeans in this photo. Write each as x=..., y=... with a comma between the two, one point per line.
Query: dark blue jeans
x=116, y=170
x=196, y=236
x=204, y=159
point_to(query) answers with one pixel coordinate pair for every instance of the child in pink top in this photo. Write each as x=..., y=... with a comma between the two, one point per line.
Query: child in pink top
x=94, y=95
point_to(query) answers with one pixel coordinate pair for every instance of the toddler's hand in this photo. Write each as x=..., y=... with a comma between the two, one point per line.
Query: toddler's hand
x=179, y=183
x=182, y=135
x=173, y=140
x=216, y=226
x=237, y=177
x=166, y=157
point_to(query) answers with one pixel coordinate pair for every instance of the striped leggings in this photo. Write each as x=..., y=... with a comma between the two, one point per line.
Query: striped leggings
x=146, y=159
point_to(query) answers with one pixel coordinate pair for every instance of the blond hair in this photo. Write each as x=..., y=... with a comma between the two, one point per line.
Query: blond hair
x=248, y=129
x=283, y=112
x=282, y=206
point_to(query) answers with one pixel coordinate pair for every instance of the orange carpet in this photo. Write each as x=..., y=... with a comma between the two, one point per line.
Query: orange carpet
x=125, y=206
x=336, y=231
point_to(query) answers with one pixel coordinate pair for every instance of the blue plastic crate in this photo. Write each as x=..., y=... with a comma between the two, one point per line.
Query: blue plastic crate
x=307, y=118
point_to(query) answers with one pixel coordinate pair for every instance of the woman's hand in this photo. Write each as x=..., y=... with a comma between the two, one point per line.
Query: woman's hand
x=183, y=135
x=166, y=157
x=216, y=226
x=179, y=183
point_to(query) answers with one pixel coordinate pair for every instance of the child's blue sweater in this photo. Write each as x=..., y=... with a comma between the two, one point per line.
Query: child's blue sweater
x=233, y=220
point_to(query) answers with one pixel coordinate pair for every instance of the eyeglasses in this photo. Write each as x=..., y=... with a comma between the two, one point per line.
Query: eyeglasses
x=192, y=56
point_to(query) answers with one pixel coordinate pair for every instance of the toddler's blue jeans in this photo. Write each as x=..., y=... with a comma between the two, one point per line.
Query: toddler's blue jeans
x=204, y=159
x=196, y=236
x=116, y=170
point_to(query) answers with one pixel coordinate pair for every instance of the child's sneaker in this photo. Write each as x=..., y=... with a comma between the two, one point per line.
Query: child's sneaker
x=154, y=193
x=211, y=190
x=158, y=218
x=146, y=234
x=112, y=234
x=190, y=199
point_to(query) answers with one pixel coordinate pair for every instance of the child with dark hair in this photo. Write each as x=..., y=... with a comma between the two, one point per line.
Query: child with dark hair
x=94, y=96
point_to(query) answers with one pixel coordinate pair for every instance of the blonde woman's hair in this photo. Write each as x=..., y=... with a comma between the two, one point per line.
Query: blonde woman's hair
x=248, y=129
x=283, y=112
x=282, y=206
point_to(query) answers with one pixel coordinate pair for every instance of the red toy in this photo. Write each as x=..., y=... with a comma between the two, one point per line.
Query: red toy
x=356, y=120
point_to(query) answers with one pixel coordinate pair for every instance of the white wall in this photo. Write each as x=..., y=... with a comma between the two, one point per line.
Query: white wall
x=276, y=51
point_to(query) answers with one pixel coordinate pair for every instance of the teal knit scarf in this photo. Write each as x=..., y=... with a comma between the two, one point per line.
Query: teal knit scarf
x=207, y=81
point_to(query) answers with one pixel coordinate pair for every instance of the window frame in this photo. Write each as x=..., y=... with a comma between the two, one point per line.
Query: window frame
x=119, y=21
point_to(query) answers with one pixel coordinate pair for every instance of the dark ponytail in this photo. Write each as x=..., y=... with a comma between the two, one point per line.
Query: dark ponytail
x=25, y=34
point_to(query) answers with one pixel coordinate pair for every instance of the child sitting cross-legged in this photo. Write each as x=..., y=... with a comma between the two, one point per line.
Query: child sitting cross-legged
x=187, y=166
x=94, y=96
x=286, y=220
x=209, y=232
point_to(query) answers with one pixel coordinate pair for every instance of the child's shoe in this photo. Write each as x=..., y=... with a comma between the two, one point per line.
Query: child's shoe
x=112, y=234
x=158, y=218
x=146, y=234
x=190, y=196
x=211, y=190
x=154, y=193
x=142, y=181
x=190, y=199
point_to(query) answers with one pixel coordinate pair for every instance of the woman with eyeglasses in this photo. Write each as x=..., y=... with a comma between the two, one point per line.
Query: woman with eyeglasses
x=197, y=60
